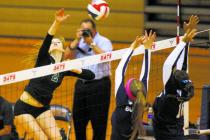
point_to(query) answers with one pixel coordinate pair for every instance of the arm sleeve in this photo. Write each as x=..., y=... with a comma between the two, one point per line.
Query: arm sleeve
x=121, y=68
x=171, y=61
x=182, y=63
x=144, y=76
x=86, y=74
x=43, y=51
x=8, y=114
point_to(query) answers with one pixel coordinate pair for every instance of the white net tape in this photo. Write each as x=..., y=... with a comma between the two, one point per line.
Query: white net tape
x=77, y=63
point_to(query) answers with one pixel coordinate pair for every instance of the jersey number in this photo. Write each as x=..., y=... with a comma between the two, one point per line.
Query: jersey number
x=55, y=77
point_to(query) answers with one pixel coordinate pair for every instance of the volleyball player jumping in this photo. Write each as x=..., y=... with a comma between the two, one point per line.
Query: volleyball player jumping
x=32, y=110
x=131, y=98
x=168, y=107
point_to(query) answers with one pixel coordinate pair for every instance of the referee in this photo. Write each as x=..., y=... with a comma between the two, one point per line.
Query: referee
x=91, y=98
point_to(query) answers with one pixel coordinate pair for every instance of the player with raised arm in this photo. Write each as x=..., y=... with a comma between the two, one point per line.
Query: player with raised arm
x=32, y=110
x=178, y=88
x=131, y=97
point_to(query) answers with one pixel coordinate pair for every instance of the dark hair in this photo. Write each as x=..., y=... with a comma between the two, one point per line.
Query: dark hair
x=90, y=21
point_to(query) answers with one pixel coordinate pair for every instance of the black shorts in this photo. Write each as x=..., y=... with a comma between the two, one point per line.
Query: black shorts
x=24, y=108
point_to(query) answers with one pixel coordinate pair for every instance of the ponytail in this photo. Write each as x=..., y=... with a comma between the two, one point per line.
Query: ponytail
x=137, y=116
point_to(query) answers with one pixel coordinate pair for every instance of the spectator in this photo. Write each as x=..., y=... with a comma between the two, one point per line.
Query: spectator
x=91, y=98
x=32, y=110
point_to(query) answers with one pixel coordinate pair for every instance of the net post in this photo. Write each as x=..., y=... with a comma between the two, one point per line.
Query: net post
x=205, y=106
x=209, y=37
x=186, y=106
x=186, y=118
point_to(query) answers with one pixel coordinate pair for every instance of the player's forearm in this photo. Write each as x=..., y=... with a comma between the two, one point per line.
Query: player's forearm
x=175, y=54
x=54, y=27
x=121, y=68
x=171, y=60
x=144, y=77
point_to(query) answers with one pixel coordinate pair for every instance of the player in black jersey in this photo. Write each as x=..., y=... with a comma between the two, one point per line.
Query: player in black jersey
x=32, y=110
x=131, y=98
x=168, y=107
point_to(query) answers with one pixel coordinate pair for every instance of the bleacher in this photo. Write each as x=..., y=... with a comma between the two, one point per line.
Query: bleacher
x=24, y=22
x=161, y=16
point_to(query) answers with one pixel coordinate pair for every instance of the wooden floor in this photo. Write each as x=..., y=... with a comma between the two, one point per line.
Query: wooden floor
x=12, y=52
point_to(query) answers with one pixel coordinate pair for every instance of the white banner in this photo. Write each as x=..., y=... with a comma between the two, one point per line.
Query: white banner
x=77, y=63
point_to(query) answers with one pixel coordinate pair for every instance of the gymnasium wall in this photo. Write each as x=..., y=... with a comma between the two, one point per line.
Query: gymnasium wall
x=32, y=18
x=23, y=23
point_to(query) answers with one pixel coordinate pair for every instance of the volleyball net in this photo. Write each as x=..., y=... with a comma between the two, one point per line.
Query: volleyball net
x=13, y=84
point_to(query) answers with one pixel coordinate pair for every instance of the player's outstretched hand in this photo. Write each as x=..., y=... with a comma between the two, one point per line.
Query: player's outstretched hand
x=192, y=24
x=149, y=39
x=60, y=16
x=137, y=42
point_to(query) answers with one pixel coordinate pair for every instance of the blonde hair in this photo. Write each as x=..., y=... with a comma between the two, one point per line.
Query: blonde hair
x=30, y=59
x=137, y=116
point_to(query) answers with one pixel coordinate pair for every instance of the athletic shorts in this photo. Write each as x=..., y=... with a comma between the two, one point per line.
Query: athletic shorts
x=24, y=108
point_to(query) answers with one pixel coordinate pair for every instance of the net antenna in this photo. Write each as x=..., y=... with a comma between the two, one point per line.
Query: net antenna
x=178, y=19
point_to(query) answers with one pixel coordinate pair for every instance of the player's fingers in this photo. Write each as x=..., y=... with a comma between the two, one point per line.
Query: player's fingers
x=154, y=36
x=197, y=20
x=142, y=37
x=150, y=33
x=146, y=34
x=66, y=16
x=60, y=12
x=137, y=37
x=190, y=19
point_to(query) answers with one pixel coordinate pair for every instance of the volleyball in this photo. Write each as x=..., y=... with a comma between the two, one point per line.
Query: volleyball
x=98, y=9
